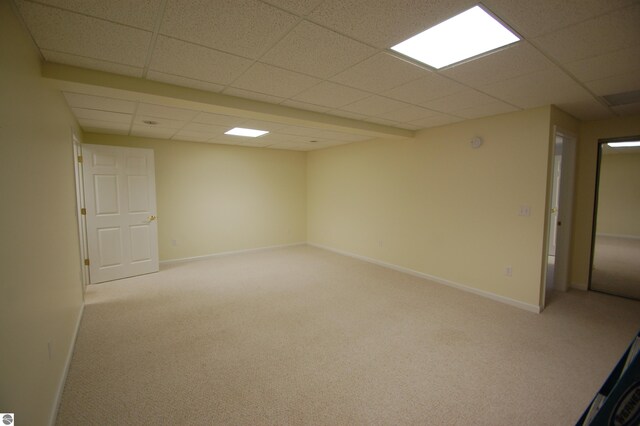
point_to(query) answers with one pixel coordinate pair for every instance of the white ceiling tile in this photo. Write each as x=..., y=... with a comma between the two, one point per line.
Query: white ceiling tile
x=374, y=106
x=97, y=126
x=588, y=109
x=94, y=64
x=515, y=60
x=160, y=122
x=608, y=65
x=92, y=114
x=436, y=120
x=262, y=125
x=534, y=18
x=278, y=137
x=615, y=84
x=242, y=27
x=186, y=135
x=188, y=60
x=460, y=100
x=537, y=89
x=410, y=113
x=273, y=81
x=184, y=82
x=67, y=32
x=213, y=130
x=314, y=50
x=305, y=106
x=298, y=131
x=162, y=111
x=79, y=100
x=135, y=13
x=229, y=140
x=256, y=96
x=217, y=119
x=594, y=37
x=331, y=95
x=485, y=110
x=379, y=73
x=152, y=132
x=431, y=86
x=385, y=23
x=299, y=7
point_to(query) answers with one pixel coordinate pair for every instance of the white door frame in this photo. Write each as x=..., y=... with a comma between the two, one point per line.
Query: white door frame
x=565, y=211
x=80, y=210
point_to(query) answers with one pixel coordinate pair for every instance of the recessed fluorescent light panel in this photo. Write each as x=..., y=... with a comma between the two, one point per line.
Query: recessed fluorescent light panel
x=251, y=133
x=624, y=144
x=464, y=36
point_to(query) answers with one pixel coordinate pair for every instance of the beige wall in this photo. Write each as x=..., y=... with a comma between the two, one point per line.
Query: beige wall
x=431, y=204
x=590, y=133
x=220, y=198
x=619, y=195
x=436, y=206
x=40, y=287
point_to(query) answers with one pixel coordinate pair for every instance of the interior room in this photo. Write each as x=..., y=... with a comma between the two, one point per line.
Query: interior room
x=405, y=241
x=616, y=248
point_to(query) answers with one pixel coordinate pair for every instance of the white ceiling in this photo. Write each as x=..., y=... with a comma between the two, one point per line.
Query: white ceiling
x=332, y=57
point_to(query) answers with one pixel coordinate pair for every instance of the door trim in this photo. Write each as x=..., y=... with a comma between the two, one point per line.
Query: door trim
x=565, y=211
x=596, y=200
x=80, y=205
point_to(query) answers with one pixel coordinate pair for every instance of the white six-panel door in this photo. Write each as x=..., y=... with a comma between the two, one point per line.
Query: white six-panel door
x=120, y=199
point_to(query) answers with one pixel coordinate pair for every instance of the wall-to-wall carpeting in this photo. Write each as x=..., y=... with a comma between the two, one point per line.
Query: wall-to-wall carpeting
x=300, y=335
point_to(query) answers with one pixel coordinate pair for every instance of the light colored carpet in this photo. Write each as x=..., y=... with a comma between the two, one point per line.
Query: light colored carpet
x=304, y=336
x=616, y=266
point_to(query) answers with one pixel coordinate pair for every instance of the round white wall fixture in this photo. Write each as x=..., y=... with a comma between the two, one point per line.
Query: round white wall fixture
x=476, y=142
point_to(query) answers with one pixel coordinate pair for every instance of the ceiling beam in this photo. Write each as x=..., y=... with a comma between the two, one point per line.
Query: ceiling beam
x=98, y=83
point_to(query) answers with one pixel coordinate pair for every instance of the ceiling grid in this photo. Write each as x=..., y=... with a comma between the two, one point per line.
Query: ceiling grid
x=332, y=58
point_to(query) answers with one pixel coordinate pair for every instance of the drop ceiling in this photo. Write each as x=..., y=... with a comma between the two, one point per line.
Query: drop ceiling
x=322, y=70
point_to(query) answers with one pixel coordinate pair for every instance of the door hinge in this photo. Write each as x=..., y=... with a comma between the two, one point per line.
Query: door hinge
x=86, y=262
x=83, y=211
x=79, y=158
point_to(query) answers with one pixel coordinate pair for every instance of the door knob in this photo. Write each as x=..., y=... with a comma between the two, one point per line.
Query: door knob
x=151, y=218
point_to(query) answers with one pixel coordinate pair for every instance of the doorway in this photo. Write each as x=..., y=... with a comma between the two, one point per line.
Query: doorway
x=615, y=253
x=560, y=213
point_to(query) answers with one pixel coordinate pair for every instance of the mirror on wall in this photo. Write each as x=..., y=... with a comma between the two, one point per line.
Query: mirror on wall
x=615, y=265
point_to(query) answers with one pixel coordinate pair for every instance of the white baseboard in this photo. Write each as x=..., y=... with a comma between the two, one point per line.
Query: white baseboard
x=67, y=364
x=622, y=237
x=227, y=253
x=526, y=306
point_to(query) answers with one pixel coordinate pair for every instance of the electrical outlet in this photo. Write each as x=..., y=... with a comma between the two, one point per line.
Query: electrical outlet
x=508, y=271
x=174, y=243
x=525, y=211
